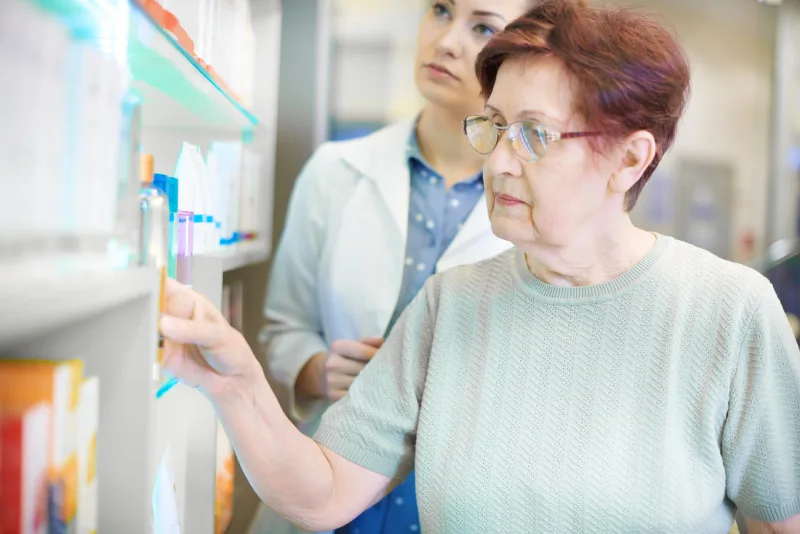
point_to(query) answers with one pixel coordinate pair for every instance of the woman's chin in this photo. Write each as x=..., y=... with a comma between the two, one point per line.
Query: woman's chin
x=437, y=94
x=511, y=230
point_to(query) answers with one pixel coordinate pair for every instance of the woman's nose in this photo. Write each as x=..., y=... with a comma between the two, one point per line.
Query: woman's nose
x=451, y=42
x=503, y=160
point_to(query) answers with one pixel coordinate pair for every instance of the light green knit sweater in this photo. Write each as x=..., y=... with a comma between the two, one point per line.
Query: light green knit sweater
x=656, y=402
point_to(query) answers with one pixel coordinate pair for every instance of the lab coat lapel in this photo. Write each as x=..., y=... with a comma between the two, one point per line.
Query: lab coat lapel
x=386, y=164
x=368, y=260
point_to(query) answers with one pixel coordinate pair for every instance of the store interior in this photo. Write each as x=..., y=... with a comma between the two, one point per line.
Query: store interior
x=147, y=139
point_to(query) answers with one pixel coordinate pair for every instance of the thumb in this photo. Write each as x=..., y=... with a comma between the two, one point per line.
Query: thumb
x=186, y=331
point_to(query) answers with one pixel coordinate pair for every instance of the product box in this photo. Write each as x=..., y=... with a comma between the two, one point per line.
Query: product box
x=24, y=384
x=227, y=162
x=24, y=458
x=223, y=499
x=88, y=421
x=250, y=194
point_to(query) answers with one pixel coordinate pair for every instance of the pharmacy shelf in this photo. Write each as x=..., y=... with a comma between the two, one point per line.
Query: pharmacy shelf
x=178, y=92
x=42, y=296
x=240, y=255
x=117, y=343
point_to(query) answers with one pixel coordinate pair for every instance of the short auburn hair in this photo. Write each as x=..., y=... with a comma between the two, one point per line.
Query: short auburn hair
x=629, y=72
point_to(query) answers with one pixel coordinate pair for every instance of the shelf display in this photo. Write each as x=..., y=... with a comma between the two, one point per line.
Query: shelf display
x=62, y=130
x=100, y=94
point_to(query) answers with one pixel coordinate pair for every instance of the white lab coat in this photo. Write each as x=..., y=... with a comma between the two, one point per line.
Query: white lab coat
x=338, y=270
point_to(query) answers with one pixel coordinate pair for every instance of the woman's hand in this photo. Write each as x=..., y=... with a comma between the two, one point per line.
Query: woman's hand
x=345, y=361
x=202, y=350
x=330, y=374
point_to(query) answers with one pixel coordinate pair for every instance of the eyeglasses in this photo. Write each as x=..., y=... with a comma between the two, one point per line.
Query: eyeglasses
x=528, y=138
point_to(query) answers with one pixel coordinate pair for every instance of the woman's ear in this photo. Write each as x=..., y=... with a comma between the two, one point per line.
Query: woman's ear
x=636, y=154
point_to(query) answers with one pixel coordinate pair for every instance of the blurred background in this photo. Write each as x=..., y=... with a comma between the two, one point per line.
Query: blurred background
x=234, y=96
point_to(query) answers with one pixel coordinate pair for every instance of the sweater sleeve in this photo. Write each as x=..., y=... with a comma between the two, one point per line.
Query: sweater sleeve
x=375, y=425
x=761, y=437
x=294, y=332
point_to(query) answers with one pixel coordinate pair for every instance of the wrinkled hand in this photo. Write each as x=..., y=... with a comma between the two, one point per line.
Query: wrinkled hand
x=202, y=350
x=345, y=361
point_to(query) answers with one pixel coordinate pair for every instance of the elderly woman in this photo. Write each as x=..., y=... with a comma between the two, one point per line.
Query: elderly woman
x=595, y=378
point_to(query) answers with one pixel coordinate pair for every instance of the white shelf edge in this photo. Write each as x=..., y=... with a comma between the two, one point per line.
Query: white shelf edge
x=37, y=305
x=238, y=256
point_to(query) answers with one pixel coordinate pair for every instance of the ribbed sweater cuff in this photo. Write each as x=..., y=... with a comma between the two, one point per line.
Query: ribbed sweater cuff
x=775, y=514
x=392, y=466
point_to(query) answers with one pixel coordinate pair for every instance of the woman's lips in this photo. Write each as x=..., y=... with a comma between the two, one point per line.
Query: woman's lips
x=437, y=71
x=507, y=200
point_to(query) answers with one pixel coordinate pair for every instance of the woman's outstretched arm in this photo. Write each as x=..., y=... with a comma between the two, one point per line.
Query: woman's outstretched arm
x=303, y=481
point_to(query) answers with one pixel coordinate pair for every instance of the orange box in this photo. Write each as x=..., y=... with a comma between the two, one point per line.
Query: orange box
x=24, y=384
x=224, y=482
x=24, y=457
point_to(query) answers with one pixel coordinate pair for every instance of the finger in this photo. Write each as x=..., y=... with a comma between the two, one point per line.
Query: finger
x=353, y=349
x=340, y=382
x=185, y=303
x=336, y=395
x=337, y=364
x=173, y=287
x=184, y=362
x=376, y=342
x=190, y=332
x=180, y=301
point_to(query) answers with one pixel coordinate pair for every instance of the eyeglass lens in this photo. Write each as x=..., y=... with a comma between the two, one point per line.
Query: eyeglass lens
x=527, y=138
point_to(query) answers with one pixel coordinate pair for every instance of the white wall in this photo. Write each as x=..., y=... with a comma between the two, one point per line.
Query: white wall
x=373, y=59
x=728, y=118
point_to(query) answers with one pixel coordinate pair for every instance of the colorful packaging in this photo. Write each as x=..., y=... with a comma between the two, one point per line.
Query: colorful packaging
x=223, y=498
x=24, y=458
x=24, y=384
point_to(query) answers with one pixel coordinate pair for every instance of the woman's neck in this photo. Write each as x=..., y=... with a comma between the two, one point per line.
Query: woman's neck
x=444, y=145
x=592, y=257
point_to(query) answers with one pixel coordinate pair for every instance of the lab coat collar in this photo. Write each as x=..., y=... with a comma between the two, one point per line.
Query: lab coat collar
x=383, y=158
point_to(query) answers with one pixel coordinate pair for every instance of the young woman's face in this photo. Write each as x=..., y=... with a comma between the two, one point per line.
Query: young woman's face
x=451, y=35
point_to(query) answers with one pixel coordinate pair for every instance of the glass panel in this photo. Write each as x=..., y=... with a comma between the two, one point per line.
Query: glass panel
x=178, y=91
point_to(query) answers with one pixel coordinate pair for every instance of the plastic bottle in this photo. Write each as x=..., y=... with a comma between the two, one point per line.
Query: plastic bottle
x=186, y=174
x=154, y=252
x=169, y=186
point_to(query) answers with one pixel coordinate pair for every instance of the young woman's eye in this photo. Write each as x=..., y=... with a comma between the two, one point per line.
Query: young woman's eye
x=440, y=10
x=484, y=30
